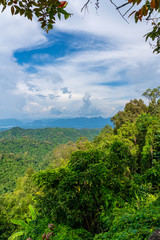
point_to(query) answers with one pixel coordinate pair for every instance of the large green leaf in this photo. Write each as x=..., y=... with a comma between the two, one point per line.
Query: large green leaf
x=23, y=224
x=17, y=234
x=32, y=211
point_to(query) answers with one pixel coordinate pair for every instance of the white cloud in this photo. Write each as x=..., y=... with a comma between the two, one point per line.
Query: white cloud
x=16, y=33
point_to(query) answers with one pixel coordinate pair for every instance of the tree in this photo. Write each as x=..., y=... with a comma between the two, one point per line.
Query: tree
x=153, y=94
x=148, y=11
x=45, y=10
x=75, y=195
x=147, y=128
x=120, y=158
x=131, y=111
x=154, y=103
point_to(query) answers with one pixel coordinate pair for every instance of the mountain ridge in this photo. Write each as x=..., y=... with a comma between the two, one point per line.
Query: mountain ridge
x=78, y=123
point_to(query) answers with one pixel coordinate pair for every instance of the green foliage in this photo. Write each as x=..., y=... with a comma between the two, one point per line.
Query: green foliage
x=104, y=139
x=120, y=158
x=133, y=225
x=71, y=194
x=45, y=11
x=32, y=212
x=5, y=226
x=17, y=234
x=153, y=96
x=131, y=111
x=27, y=228
x=52, y=135
x=67, y=233
x=147, y=127
x=35, y=148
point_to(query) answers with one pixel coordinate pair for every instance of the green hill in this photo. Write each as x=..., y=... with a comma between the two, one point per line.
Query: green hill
x=55, y=135
x=21, y=149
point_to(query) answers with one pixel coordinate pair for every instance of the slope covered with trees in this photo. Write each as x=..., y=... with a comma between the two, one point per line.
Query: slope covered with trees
x=104, y=189
x=21, y=149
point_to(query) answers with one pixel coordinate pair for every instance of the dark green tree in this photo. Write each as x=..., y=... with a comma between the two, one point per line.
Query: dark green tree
x=75, y=196
x=131, y=111
x=153, y=96
x=147, y=127
x=120, y=158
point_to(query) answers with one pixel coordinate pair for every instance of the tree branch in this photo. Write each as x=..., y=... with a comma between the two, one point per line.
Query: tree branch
x=85, y=6
x=117, y=8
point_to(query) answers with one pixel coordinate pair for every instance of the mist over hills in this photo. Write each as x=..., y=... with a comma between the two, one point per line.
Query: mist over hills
x=78, y=123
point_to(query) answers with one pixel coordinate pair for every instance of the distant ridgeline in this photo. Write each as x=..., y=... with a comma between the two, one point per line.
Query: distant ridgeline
x=24, y=148
x=78, y=123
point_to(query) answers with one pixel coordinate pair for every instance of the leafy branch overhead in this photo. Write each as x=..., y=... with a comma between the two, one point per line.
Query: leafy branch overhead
x=45, y=10
x=145, y=11
x=149, y=11
x=142, y=10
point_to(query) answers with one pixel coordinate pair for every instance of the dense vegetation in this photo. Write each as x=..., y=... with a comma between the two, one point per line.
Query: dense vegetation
x=104, y=189
x=21, y=149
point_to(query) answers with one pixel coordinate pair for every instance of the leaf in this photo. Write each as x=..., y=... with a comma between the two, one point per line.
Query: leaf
x=136, y=17
x=41, y=19
x=144, y=10
x=32, y=211
x=17, y=234
x=30, y=16
x=63, y=4
x=43, y=24
x=59, y=16
x=3, y=8
x=22, y=12
x=131, y=13
x=16, y=12
x=21, y=4
x=67, y=15
x=153, y=4
x=9, y=3
x=138, y=2
x=21, y=223
x=12, y=10
x=140, y=15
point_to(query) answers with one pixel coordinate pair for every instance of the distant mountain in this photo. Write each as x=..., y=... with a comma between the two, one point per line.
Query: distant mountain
x=78, y=123
x=10, y=122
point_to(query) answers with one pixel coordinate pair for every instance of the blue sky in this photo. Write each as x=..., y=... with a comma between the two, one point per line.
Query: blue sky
x=90, y=65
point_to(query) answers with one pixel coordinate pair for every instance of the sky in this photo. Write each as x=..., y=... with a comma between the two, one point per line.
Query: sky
x=90, y=65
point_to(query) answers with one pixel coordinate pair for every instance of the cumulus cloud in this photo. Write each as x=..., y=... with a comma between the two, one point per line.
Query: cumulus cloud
x=66, y=91
x=86, y=101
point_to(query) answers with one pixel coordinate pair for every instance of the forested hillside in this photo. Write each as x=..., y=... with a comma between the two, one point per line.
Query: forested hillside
x=104, y=189
x=21, y=149
x=54, y=135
